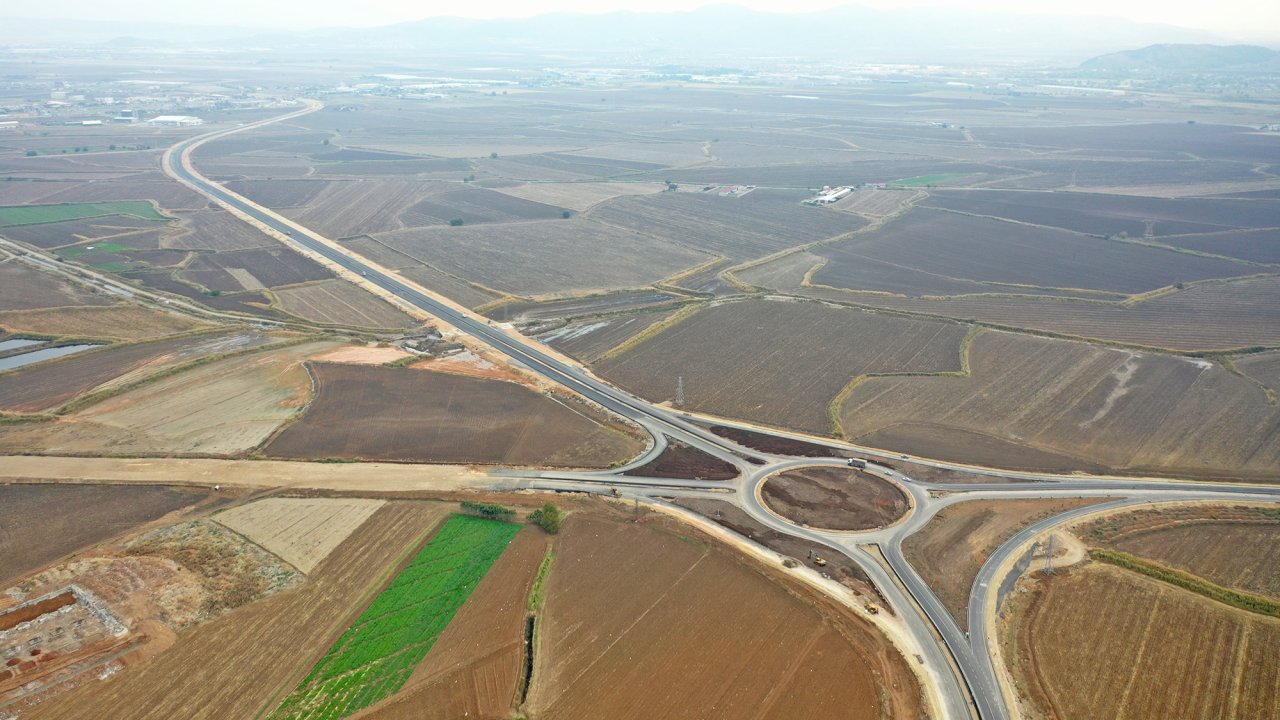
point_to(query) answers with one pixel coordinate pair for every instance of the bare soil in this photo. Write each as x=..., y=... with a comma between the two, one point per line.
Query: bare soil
x=776, y=445
x=950, y=550
x=679, y=460
x=835, y=498
x=645, y=621
x=41, y=523
x=1099, y=641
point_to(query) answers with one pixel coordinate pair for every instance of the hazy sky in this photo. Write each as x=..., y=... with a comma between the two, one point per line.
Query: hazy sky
x=1231, y=18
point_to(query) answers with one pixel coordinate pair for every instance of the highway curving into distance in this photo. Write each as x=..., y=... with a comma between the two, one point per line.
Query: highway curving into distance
x=974, y=688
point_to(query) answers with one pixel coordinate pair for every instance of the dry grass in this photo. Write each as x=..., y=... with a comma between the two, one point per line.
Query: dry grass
x=301, y=532
x=114, y=322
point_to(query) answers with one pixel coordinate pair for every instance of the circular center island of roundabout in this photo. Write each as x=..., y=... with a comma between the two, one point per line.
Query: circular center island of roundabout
x=826, y=497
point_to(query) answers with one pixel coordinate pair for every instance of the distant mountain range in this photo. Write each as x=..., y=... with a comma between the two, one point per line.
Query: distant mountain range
x=717, y=34
x=1178, y=58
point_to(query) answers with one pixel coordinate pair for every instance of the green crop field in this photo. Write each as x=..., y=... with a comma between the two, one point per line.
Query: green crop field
x=37, y=214
x=378, y=653
x=925, y=180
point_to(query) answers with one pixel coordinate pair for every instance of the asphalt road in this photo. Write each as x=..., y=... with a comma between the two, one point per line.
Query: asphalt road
x=976, y=668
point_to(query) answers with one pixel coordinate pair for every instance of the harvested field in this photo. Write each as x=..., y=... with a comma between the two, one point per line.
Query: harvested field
x=56, y=234
x=239, y=664
x=346, y=209
x=1253, y=245
x=1263, y=367
x=277, y=194
x=302, y=532
x=113, y=322
x=1127, y=411
x=877, y=204
x=253, y=269
x=579, y=196
x=1098, y=214
x=219, y=231
x=149, y=186
x=475, y=667
x=370, y=354
x=222, y=408
x=451, y=287
x=679, y=460
x=780, y=363
x=1206, y=140
x=338, y=302
x=928, y=243
x=834, y=498
x=732, y=517
x=754, y=225
x=476, y=205
x=582, y=306
x=623, y=600
x=1212, y=316
x=409, y=414
x=68, y=518
x=949, y=551
x=1231, y=545
x=587, y=340
x=25, y=288
x=376, y=655
x=1154, y=650
x=545, y=257
x=49, y=385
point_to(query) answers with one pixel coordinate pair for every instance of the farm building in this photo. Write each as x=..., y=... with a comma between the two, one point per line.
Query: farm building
x=829, y=196
x=175, y=120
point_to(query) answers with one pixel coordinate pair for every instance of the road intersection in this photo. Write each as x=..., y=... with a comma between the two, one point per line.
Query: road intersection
x=974, y=688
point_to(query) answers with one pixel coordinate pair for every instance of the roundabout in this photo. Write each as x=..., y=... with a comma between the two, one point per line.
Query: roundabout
x=834, y=498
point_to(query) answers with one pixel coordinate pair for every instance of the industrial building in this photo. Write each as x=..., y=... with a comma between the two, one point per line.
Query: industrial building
x=175, y=120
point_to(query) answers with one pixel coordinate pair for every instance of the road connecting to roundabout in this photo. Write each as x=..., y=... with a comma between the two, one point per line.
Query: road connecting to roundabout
x=960, y=675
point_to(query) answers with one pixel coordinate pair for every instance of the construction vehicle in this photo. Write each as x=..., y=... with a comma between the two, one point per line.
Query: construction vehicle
x=819, y=561
x=872, y=608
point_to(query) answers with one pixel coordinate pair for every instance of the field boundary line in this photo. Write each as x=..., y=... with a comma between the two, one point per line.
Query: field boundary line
x=650, y=332
x=1249, y=602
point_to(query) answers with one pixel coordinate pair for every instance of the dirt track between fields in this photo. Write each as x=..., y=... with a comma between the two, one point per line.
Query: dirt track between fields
x=377, y=477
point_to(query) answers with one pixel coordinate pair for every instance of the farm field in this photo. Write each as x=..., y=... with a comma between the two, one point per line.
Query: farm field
x=338, y=302
x=277, y=194
x=48, y=385
x=580, y=196
x=549, y=257
x=218, y=231
x=1124, y=410
x=997, y=253
x=55, y=234
x=949, y=551
x=378, y=652
x=222, y=408
x=411, y=414
x=582, y=306
x=68, y=518
x=475, y=668
x=640, y=622
x=1263, y=367
x=33, y=214
x=1211, y=316
x=110, y=322
x=1098, y=214
x=302, y=532
x=876, y=204
x=1262, y=246
x=834, y=498
x=349, y=208
x=1156, y=650
x=756, y=224
x=253, y=269
x=780, y=363
x=588, y=340
x=238, y=665
x=25, y=288
x=1230, y=545
x=476, y=205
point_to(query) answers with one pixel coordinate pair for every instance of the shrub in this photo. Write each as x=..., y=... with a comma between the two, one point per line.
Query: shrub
x=456, y=222
x=547, y=517
x=488, y=510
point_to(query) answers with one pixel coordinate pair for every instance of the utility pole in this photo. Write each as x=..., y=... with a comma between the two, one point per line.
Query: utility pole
x=680, y=391
x=1048, y=557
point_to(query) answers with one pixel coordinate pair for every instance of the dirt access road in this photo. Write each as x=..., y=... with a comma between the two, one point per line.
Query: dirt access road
x=367, y=477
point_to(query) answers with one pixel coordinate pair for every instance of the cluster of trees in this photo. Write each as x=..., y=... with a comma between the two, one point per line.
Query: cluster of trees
x=548, y=517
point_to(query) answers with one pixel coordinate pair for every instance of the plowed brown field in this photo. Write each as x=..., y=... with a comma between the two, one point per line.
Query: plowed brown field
x=643, y=623
x=1102, y=642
